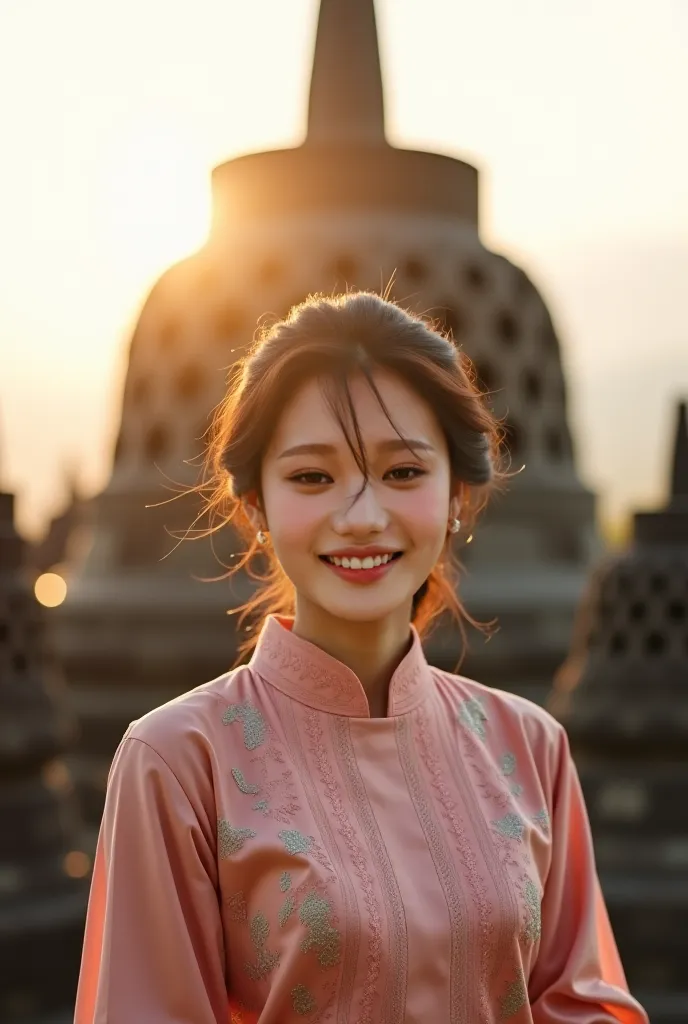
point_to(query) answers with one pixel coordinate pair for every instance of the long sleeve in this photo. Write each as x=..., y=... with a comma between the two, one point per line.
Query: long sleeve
x=153, y=948
x=578, y=977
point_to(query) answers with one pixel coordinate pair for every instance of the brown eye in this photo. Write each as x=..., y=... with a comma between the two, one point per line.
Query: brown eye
x=404, y=474
x=313, y=478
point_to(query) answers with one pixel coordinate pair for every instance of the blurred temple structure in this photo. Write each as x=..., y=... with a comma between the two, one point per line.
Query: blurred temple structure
x=344, y=210
x=623, y=697
x=43, y=870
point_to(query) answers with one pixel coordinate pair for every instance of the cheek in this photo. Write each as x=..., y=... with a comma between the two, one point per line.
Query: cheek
x=291, y=516
x=424, y=511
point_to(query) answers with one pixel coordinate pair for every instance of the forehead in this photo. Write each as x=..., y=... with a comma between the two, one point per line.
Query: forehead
x=308, y=417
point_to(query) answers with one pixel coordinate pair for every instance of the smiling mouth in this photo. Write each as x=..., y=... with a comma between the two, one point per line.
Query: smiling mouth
x=369, y=562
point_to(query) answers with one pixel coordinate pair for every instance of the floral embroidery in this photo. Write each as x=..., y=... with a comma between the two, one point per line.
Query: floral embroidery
x=542, y=819
x=511, y=826
x=302, y=1000
x=252, y=721
x=405, y=685
x=533, y=926
x=286, y=910
x=295, y=842
x=285, y=881
x=237, y=907
x=508, y=768
x=248, y=788
x=314, y=914
x=230, y=839
x=473, y=716
x=514, y=999
x=310, y=678
x=278, y=792
x=266, y=961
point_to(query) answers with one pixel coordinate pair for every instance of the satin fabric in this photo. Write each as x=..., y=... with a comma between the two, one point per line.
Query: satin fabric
x=270, y=853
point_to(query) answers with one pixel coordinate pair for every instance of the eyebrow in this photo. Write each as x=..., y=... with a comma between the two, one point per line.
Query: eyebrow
x=393, y=445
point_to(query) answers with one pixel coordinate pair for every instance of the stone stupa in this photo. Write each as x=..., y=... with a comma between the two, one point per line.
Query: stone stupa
x=344, y=210
x=43, y=866
x=622, y=695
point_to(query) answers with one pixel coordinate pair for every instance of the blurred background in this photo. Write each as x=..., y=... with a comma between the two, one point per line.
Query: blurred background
x=171, y=176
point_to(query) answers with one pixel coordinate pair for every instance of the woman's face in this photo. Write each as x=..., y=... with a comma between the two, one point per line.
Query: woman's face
x=310, y=481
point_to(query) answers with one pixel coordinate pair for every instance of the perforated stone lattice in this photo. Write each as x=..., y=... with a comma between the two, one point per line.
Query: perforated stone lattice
x=642, y=610
x=181, y=354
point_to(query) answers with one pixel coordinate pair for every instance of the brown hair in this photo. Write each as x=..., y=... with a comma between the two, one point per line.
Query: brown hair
x=334, y=338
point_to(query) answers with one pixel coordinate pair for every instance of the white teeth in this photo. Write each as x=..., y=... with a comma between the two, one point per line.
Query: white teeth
x=359, y=563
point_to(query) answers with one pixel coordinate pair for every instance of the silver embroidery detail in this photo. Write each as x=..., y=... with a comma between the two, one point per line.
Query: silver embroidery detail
x=302, y=1000
x=511, y=826
x=252, y=721
x=542, y=819
x=230, y=839
x=266, y=961
x=533, y=927
x=295, y=842
x=473, y=716
x=314, y=914
x=248, y=788
x=508, y=764
x=262, y=805
x=516, y=789
x=514, y=999
x=236, y=905
x=285, y=881
x=286, y=910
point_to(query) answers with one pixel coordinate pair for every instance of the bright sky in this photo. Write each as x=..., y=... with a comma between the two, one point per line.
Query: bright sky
x=112, y=115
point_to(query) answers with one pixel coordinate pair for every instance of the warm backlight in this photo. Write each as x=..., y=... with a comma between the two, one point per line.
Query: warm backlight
x=50, y=589
x=157, y=201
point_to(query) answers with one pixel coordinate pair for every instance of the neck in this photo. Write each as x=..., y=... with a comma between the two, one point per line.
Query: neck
x=372, y=650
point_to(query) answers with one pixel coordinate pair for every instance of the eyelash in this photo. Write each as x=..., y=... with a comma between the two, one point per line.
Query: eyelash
x=301, y=478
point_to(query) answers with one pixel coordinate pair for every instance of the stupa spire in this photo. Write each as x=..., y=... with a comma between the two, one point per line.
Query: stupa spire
x=346, y=98
x=679, y=469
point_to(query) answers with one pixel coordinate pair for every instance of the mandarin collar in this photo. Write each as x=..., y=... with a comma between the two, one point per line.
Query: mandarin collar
x=309, y=675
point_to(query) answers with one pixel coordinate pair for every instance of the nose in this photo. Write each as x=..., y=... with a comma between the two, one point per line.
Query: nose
x=361, y=516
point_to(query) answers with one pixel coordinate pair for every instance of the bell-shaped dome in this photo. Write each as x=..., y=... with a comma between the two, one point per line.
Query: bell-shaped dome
x=623, y=696
x=345, y=210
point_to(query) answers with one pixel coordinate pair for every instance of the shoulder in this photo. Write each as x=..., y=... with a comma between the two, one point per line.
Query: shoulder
x=512, y=716
x=187, y=732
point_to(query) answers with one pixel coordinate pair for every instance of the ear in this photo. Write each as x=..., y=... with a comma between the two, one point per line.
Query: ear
x=457, y=499
x=254, y=512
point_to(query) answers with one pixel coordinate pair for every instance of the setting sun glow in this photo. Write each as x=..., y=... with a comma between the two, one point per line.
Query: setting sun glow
x=157, y=199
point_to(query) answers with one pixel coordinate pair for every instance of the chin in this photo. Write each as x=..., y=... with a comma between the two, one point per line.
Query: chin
x=361, y=607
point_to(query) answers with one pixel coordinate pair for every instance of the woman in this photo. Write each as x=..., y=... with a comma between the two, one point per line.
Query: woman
x=337, y=831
